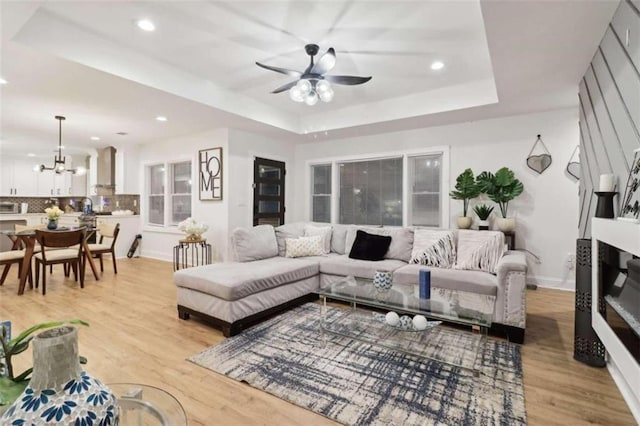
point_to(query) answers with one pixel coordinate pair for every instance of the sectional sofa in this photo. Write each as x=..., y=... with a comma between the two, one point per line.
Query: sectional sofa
x=262, y=280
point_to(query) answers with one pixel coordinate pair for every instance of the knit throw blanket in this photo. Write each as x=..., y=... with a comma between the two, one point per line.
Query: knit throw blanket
x=479, y=250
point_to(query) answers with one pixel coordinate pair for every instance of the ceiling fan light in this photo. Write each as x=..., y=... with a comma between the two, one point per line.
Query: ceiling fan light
x=304, y=86
x=60, y=168
x=296, y=94
x=311, y=98
x=322, y=86
x=327, y=95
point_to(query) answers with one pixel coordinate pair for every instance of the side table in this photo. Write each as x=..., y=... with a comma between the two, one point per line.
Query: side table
x=510, y=239
x=191, y=252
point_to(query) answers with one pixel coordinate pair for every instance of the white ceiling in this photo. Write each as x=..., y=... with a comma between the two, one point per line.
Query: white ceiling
x=88, y=61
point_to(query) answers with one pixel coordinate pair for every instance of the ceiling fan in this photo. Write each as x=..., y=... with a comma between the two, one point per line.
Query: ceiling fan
x=312, y=83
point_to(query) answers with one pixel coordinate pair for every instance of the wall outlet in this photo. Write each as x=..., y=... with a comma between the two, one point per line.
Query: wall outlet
x=571, y=261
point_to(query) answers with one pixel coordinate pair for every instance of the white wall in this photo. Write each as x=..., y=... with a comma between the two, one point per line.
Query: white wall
x=158, y=243
x=547, y=212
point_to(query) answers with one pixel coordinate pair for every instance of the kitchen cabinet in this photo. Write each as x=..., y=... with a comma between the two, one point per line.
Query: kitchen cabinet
x=18, y=178
x=79, y=185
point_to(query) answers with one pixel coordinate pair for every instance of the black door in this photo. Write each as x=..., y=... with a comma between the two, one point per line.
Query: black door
x=268, y=192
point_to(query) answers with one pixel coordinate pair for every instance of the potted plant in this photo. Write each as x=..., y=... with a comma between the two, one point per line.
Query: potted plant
x=501, y=188
x=12, y=384
x=466, y=189
x=483, y=212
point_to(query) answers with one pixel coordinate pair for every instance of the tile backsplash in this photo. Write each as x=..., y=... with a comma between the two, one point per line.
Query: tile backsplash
x=100, y=203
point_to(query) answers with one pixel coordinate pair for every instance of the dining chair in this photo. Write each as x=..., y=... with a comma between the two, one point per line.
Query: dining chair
x=8, y=258
x=97, y=250
x=55, y=249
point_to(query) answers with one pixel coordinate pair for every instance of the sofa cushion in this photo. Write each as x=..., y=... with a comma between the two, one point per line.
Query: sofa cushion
x=433, y=247
x=289, y=230
x=345, y=266
x=369, y=247
x=324, y=231
x=479, y=250
x=452, y=279
x=401, y=241
x=305, y=246
x=233, y=281
x=254, y=243
x=339, y=238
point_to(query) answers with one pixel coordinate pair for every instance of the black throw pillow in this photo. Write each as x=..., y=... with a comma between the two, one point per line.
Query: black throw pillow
x=369, y=246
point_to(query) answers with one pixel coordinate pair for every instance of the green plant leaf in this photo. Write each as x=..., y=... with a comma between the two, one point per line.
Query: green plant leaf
x=83, y=360
x=10, y=390
x=24, y=375
x=504, y=177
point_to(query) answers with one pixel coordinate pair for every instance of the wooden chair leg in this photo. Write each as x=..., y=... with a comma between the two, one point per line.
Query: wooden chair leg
x=51, y=268
x=113, y=257
x=44, y=278
x=5, y=272
x=81, y=266
x=37, y=273
x=19, y=270
x=66, y=269
x=74, y=266
x=30, y=277
x=101, y=264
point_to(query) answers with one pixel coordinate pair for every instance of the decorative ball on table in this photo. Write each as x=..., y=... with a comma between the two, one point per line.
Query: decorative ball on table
x=406, y=323
x=392, y=319
x=192, y=228
x=419, y=322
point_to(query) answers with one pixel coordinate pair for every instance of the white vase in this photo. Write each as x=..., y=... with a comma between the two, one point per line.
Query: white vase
x=506, y=224
x=483, y=225
x=464, y=222
x=59, y=391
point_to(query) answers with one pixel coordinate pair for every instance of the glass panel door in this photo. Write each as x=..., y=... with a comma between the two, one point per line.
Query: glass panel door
x=268, y=192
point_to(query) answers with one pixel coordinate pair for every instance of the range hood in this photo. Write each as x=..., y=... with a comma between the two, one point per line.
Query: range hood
x=106, y=171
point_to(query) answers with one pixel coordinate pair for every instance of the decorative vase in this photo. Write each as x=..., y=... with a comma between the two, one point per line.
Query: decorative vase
x=464, y=222
x=506, y=224
x=59, y=391
x=53, y=224
x=483, y=225
x=382, y=281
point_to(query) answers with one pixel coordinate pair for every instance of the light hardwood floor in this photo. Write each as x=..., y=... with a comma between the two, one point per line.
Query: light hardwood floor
x=135, y=336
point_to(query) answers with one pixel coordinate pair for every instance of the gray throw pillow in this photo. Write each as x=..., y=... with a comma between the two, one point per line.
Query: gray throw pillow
x=289, y=230
x=254, y=243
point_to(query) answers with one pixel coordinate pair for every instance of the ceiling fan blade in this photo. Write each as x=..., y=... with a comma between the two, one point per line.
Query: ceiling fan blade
x=325, y=63
x=348, y=80
x=285, y=87
x=285, y=71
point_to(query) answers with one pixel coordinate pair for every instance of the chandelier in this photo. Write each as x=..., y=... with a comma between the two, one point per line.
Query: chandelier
x=59, y=161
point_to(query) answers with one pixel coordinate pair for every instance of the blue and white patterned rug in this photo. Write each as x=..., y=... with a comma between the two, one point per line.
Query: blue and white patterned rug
x=357, y=383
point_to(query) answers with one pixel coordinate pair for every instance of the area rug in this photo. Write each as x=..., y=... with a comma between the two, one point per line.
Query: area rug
x=356, y=383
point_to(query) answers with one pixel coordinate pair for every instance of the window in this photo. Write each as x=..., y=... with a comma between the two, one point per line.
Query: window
x=156, y=195
x=167, y=206
x=399, y=189
x=424, y=195
x=321, y=193
x=180, y=192
x=371, y=192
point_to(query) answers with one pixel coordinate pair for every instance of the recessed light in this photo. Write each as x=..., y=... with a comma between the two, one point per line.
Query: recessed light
x=161, y=118
x=437, y=65
x=31, y=154
x=3, y=81
x=95, y=138
x=146, y=25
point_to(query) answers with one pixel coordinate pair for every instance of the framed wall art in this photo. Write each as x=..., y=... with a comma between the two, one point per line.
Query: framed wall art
x=210, y=174
x=630, y=209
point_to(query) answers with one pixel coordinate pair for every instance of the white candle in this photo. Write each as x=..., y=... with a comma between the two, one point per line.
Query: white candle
x=607, y=182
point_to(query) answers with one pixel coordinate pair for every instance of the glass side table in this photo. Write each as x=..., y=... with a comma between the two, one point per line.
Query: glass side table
x=191, y=252
x=147, y=405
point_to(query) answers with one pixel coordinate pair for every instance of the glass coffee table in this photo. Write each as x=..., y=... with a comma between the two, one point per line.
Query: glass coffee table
x=144, y=405
x=449, y=345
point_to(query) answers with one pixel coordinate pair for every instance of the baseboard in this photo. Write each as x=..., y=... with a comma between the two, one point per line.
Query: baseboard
x=550, y=282
x=624, y=388
x=158, y=255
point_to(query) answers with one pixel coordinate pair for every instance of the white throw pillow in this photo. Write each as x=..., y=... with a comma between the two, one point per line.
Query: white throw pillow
x=324, y=232
x=433, y=248
x=479, y=250
x=305, y=246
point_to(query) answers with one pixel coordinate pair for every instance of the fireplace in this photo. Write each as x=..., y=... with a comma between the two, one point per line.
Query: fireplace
x=615, y=278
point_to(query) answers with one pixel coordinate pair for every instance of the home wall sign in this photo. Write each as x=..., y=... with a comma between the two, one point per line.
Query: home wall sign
x=540, y=162
x=210, y=174
x=573, y=166
x=630, y=209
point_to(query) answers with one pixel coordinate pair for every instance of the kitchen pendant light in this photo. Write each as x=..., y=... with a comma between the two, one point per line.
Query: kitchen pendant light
x=59, y=161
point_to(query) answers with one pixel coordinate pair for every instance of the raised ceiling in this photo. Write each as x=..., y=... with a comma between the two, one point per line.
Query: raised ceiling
x=89, y=61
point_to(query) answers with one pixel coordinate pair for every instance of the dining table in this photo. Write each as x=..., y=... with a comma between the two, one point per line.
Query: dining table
x=27, y=238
